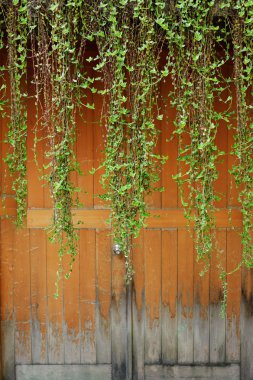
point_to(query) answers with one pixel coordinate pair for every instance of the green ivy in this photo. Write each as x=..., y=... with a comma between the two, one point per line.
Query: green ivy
x=128, y=44
x=139, y=43
x=17, y=34
x=242, y=26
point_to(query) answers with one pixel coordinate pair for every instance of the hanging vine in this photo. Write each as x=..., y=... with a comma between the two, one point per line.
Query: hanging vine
x=16, y=25
x=128, y=44
x=195, y=68
x=58, y=46
x=242, y=27
x=132, y=37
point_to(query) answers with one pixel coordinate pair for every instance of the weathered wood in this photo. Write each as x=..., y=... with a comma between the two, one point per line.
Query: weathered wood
x=103, y=312
x=234, y=297
x=169, y=296
x=7, y=307
x=63, y=372
x=119, y=319
x=185, y=297
x=22, y=300
x=129, y=313
x=54, y=309
x=247, y=325
x=200, y=313
x=38, y=296
x=217, y=322
x=71, y=310
x=152, y=252
x=8, y=349
x=138, y=309
x=156, y=372
x=88, y=296
x=159, y=218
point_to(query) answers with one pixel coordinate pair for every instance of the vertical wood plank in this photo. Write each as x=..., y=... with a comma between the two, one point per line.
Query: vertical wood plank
x=103, y=317
x=169, y=148
x=55, y=309
x=6, y=179
x=152, y=252
x=185, y=297
x=22, y=297
x=221, y=141
x=38, y=296
x=169, y=296
x=247, y=325
x=138, y=308
x=184, y=191
x=119, y=319
x=7, y=317
x=232, y=191
x=217, y=322
x=154, y=199
x=201, y=312
x=99, y=143
x=85, y=146
x=34, y=170
x=234, y=297
x=88, y=296
x=71, y=314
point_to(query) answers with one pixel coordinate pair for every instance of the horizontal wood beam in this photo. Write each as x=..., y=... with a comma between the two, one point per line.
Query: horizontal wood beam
x=159, y=218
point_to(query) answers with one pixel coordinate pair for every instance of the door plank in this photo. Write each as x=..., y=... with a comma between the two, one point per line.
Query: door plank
x=169, y=296
x=88, y=295
x=54, y=308
x=103, y=314
x=228, y=372
x=169, y=148
x=71, y=312
x=119, y=319
x=234, y=297
x=63, y=372
x=152, y=252
x=22, y=300
x=159, y=218
x=138, y=308
x=85, y=154
x=247, y=325
x=185, y=297
x=201, y=311
x=7, y=306
x=217, y=322
x=38, y=296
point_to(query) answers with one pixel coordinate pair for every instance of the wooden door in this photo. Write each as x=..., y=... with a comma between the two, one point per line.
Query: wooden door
x=166, y=326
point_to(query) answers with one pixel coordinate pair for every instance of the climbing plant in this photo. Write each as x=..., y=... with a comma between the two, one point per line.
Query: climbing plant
x=243, y=148
x=194, y=62
x=128, y=45
x=16, y=25
x=138, y=43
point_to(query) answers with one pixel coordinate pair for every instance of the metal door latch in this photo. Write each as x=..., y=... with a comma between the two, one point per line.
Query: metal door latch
x=116, y=249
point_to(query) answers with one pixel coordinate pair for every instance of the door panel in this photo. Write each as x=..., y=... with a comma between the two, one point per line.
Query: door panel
x=166, y=326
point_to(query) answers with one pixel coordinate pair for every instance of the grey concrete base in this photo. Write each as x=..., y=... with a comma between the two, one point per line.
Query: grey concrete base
x=63, y=372
x=198, y=372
